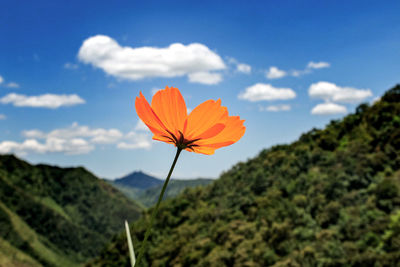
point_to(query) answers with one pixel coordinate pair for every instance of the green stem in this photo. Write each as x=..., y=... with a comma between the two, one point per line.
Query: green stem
x=153, y=216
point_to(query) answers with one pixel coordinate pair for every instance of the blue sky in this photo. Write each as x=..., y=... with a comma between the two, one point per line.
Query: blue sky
x=283, y=66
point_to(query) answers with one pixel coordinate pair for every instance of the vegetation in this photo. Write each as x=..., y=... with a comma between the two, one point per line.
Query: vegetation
x=10, y=256
x=55, y=216
x=331, y=198
x=149, y=196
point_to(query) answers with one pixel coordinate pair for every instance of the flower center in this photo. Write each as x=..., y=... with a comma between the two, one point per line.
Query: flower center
x=181, y=142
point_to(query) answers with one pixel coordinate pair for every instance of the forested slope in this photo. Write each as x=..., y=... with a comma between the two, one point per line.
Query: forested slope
x=57, y=216
x=331, y=198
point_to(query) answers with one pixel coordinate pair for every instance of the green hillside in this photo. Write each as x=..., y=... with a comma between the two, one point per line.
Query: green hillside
x=10, y=256
x=148, y=197
x=175, y=187
x=57, y=216
x=332, y=198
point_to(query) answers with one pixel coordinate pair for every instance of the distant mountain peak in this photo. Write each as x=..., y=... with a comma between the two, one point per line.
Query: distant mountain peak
x=138, y=179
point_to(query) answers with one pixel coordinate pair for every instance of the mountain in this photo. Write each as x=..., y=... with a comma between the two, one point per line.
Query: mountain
x=145, y=189
x=138, y=180
x=331, y=198
x=55, y=216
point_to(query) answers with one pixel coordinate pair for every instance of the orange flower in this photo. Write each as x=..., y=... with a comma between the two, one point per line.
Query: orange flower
x=206, y=128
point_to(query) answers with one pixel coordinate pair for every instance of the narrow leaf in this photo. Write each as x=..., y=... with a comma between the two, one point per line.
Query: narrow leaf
x=130, y=245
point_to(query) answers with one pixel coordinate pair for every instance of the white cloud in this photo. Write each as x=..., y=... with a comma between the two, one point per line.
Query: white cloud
x=33, y=134
x=232, y=60
x=3, y=117
x=244, y=68
x=331, y=92
x=275, y=73
x=70, y=66
x=135, y=141
x=143, y=62
x=276, y=108
x=140, y=126
x=240, y=67
x=102, y=136
x=9, y=84
x=96, y=135
x=12, y=85
x=318, y=65
x=298, y=73
x=42, y=101
x=51, y=145
x=260, y=92
x=75, y=139
x=205, y=78
x=328, y=109
x=124, y=145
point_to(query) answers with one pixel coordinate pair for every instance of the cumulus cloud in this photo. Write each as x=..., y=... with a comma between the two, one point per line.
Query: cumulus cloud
x=3, y=117
x=140, y=126
x=298, y=73
x=205, y=77
x=240, y=67
x=328, y=109
x=75, y=139
x=51, y=145
x=318, y=65
x=276, y=108
x=12, y=85
x=244, y=68
x=275, y=73
x=145, y=62
x=70, y=66
x=135, y=141
x=42, y=101
x=334, y=93
x=9, y=84
x=260, y=92
x=94, y=135
x=103, y=136
x=124, y=145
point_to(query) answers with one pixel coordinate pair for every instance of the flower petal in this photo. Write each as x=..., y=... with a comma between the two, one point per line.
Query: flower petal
x=211, y=132
x=203, y=150
x=147, y=115
x=164, y=138
x=233, y=131
x=170, y=107
x=205, y=117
